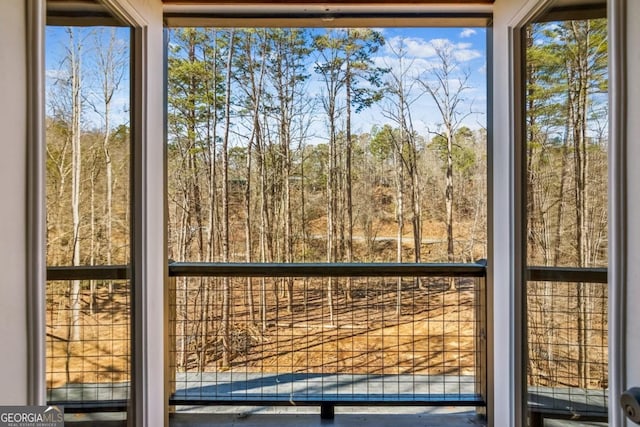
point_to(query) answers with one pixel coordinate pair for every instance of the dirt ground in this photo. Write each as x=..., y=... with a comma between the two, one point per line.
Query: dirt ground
x=436, y=332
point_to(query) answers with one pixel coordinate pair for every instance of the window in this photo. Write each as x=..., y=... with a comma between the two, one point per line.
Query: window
x=327, y=145
x=565, y=159
x=289, y=146
x=88, y=187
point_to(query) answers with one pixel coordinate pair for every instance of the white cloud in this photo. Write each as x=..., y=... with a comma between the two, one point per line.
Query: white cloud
x=426, y=49
x=464, y=55
x=467, y=32
x=57, y=74
x=413, y=47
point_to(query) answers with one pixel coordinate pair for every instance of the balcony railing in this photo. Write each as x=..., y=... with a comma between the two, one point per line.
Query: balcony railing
x=567, y=343
x=328, y=334
x=88, y=352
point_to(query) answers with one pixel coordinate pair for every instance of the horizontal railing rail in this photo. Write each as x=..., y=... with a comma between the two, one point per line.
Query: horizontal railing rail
x=88, y=272
x=567, y=274
x=91, y=406
x=203, y=269
x=327, y=388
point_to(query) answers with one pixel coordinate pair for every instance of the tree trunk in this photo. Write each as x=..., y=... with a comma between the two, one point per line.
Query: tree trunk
x=92, y=237
x=76, y=176
x=449, y=196
x=399, y=175
x=226, y=287
x=348, y=178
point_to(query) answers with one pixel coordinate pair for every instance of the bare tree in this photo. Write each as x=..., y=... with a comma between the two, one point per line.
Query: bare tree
x=400, y=86
x=446, y=84
x=74, y=61
x=111, y=58
x=226, y=286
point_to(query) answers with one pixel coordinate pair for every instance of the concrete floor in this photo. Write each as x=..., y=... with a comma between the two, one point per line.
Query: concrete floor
x=310, y=417
x=344, y=417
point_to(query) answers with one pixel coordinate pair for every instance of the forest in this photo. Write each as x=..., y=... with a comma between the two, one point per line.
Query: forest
x=251, y=180
x=566, y=199
x=259, y=170
x=270, y=159
x=264, y=163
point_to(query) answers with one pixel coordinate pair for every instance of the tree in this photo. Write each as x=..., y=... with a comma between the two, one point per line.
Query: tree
x=226, y=287
x=447, y=90
x=361, y=45
x=400, y=86
x=388, y=139
x=74, y=67
x=586, y=63
x=344, y=58
x=189, y=120
x=287, y=74
x=251, y=69
x=111, y=64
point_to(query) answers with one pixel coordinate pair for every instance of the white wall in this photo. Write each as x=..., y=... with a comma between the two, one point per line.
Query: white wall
x=13, y=142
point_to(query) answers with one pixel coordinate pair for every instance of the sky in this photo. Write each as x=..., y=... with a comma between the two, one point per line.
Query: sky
x=468, y=46
x=57, y=42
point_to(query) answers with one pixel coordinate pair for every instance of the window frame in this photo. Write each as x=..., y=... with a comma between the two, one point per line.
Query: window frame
x=108, y=12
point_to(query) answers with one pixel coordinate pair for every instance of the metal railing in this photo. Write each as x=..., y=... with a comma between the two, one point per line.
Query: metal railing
x=401, y=334
x=88, y=350
x=327, y=334
x=395, y=334
x=567, y=343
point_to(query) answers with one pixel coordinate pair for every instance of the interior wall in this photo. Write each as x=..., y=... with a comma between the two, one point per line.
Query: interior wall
x=13, y=118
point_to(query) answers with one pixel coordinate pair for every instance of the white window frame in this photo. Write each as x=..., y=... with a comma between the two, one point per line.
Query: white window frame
x=147, y=406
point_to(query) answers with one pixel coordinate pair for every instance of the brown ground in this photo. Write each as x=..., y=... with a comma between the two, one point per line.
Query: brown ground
x=436, y=332
x=102, y=353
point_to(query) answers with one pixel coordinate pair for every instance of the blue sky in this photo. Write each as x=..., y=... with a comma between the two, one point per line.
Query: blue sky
x=90, y=38
x=468, y=46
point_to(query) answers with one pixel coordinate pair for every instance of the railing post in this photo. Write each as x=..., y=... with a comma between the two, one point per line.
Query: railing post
x=170, y=331
x=481, y=340
x=327, y=411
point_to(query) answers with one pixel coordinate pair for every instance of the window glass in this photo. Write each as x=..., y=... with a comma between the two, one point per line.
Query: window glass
x=327, y=145
x=566, y=218
x=88, y=146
